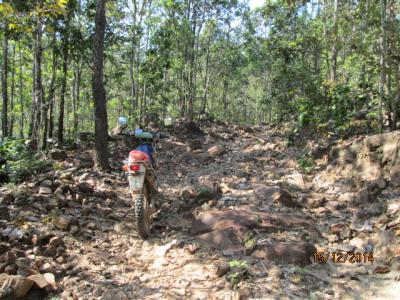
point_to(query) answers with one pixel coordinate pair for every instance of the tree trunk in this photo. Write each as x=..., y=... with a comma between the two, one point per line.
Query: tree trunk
x=51, y=119
x=21, y=97
x=136, y=40
x=334, y=41
x=99, y=94
x=395, y=97
x=192, y=66
x=396, y=100
x=224, y=95
x=11, y=130
x=133, y=89
x=382, y=80
x=164, y=97
x=77, y=98
x=132, y=63
x=327, y=38
x=50, y=97
x=73, y=93
x=142, y=106
x=206, y=80
x=4, y=75
x=363, y=29
x=38, y=88
x=60, y=133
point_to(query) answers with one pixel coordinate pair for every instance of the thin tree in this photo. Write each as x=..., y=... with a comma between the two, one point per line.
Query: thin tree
x=382, y=62
x=4, y=74
x=21, y=87
x=99, y=93
x=50, y=96
x=65, y=45
x=12, y=119
x=37, y=100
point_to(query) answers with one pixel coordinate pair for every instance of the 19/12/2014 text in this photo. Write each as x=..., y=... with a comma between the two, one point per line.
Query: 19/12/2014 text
x=343, y=257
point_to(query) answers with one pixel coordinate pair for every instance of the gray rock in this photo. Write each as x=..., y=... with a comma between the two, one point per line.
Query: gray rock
x=13, y=234
x=334, y=205
x=44, y=190
x=314, y=201
x=297, y=253
x=195, y=145
x=269, y=195
x=358, y=242
x=85, y=187
x=332, y=238
x=84, y=177
x=47, y=268
x=275, y=272
x=346, y=197
x=97, y=292
x=74, y=229
x=296, y=180
x=46, y=183
x=7, y=199
x=395, y=176
x=58, y=154
x=216, y=150
x=11, y=269
x=56, y=241
x=50, y=252
x=119, y=227
x=222, y=269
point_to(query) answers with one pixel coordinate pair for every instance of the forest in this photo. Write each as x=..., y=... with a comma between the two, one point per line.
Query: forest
x=283, y=152
x=313, y=63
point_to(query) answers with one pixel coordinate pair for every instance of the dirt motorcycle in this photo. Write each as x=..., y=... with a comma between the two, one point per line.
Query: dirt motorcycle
x=140, y=168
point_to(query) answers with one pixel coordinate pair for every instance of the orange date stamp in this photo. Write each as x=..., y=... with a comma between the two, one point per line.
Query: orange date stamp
x=340, y=257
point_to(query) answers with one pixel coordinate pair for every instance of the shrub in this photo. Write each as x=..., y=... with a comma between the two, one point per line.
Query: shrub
x=19, y=162
x=305, y=162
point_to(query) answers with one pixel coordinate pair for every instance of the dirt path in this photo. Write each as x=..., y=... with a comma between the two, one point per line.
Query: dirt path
x=103, y=257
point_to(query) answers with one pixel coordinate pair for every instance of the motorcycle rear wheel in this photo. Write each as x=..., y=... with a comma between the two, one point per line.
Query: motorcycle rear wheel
x=143, y=213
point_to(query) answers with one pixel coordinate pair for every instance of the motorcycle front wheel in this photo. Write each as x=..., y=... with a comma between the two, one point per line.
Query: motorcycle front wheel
x=142, y=213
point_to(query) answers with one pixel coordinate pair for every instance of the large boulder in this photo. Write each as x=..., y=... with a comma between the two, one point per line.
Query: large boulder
x=274, y=194
x=368, y=158
x=85, y=187
x=395, y=176
x=45, y=187
x=195, y=145
x=216, y=150
x=58, y=154
x=296, y=180
x=298, y=253
x=191, y=127
x=227, y=230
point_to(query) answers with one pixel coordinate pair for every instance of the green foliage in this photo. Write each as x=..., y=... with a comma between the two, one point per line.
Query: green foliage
x=234, y=278
x=269, y=65
x=339, y=96
x=237, y=264
x=305, y=162
x=306, y=111
x=19, y=162
x=250, y=238
x=238, y=272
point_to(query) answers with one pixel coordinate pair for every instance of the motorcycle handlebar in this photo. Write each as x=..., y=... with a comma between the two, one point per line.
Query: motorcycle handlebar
x=163, y=135
x=151, y=135
x=147, y=134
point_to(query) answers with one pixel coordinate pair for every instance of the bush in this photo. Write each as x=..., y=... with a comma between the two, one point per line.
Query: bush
x=305, y=162
x=18, y=161
x=306, y=111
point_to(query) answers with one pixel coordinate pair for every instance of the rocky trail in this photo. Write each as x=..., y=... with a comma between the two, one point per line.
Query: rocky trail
x=238, y=219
